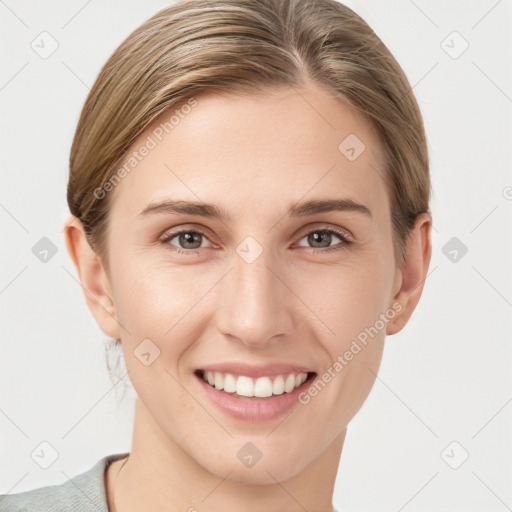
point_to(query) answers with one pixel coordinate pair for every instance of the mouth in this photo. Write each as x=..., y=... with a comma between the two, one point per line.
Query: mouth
x=261, y=387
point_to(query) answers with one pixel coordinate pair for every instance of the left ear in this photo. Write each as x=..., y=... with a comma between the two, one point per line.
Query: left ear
x=413, y=272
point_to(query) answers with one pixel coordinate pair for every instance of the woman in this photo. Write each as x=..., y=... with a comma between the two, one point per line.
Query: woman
x=249, y=189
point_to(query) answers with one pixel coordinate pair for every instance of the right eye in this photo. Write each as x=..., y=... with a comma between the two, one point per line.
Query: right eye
x=189, y=240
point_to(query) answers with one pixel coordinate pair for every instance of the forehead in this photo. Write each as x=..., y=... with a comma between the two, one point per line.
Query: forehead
x=258, y=153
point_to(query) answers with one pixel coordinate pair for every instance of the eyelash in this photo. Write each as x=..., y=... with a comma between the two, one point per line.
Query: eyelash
x=345, y=242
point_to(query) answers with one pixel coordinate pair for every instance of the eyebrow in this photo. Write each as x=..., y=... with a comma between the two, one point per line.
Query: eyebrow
x=213, y=212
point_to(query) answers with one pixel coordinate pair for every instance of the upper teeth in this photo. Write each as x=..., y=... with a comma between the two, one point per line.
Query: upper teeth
x=260, y=387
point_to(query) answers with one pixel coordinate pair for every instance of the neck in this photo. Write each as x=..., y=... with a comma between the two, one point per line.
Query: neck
x=160, y=476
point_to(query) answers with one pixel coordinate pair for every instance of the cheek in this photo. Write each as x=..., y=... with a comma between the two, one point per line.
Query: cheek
x=165, y=305
x=354, y=304
x=346, y=299
x=151, y=298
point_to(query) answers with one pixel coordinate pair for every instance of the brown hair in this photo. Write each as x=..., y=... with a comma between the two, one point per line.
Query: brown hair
x=247, y=47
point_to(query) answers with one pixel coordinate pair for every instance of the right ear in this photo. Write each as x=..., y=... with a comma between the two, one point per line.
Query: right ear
x=93, y=278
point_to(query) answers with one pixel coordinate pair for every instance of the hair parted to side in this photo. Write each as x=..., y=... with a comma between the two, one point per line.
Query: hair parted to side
x=246, y=47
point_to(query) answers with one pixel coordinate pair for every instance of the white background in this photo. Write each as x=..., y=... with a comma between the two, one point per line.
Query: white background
x=446, y=377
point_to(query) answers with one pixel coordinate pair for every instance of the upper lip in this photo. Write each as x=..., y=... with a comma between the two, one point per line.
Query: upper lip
x=241, y=368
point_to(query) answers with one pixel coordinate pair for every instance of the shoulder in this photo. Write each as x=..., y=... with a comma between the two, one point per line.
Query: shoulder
x=82, y=493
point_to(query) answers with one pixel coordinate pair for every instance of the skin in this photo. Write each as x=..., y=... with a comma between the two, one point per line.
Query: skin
x=253, y=156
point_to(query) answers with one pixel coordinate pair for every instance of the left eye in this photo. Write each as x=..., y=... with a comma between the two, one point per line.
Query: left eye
x=321, y=236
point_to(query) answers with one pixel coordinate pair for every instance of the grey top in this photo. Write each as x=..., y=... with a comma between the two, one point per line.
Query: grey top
x=83, y=493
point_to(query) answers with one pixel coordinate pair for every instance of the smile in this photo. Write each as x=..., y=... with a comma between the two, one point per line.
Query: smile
x=261, y=387
x=267, y=393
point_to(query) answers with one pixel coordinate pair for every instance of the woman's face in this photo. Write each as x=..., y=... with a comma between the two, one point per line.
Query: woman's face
x=260, y=290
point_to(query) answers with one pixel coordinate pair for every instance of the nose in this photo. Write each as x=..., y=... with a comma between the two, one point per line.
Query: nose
x=253, y=302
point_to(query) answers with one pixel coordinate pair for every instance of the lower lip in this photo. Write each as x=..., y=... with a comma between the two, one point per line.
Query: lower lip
x=253, y=408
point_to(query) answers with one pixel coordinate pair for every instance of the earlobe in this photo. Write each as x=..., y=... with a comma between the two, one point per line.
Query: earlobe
x=413, y=272
x=92, y=276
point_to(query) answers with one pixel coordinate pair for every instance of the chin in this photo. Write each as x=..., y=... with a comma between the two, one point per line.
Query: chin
x=265, y=471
